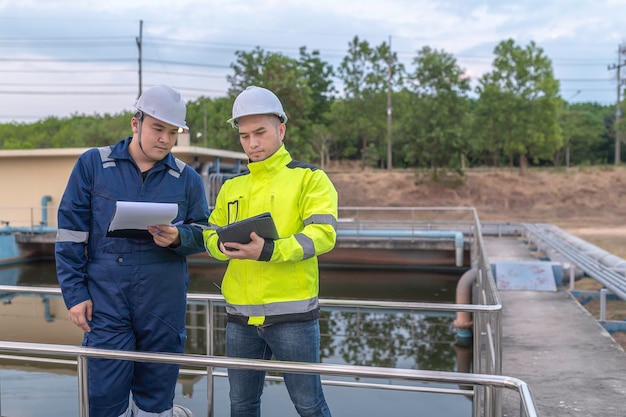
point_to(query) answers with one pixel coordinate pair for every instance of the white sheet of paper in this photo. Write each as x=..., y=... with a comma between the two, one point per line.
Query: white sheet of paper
x=139, y=215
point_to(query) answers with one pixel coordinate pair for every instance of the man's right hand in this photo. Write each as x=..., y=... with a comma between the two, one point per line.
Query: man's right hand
x=251, y=250
x=81, y=313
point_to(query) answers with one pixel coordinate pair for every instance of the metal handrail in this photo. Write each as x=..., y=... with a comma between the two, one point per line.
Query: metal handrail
x=334, y=302
x=211, y=300
x=489, y=382
x=487, y=307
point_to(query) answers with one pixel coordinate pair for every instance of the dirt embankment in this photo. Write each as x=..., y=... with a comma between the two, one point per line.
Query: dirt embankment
x=573, y=198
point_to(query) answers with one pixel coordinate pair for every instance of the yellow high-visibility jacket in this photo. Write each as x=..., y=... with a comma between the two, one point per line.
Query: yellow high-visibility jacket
x=303, y=203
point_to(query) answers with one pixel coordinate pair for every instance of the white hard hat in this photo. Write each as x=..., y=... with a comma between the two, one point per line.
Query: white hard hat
x=163, y=103
x=256, y=100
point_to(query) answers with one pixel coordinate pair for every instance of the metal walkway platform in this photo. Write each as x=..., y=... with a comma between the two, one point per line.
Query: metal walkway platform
x=571, y=362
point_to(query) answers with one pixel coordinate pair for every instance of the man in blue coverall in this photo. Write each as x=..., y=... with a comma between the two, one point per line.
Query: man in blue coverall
x=129, y=293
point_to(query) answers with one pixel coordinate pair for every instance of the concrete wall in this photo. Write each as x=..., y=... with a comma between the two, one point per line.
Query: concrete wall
x=28, y=175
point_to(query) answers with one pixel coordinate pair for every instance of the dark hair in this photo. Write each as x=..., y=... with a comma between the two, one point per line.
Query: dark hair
x=277, y=118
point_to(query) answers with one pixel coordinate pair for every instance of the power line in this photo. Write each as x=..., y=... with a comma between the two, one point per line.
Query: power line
x=66, y=59
x=65, y=93
x=65, y=71
x=97, y=93
x=89, y=60
x=621, y=50
x=85, y=89
x=65, y=85
x=232, y=47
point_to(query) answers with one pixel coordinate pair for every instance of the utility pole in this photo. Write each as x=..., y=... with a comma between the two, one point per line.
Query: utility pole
x=139, y=42
x=204, y=123
x=389, y=153
x=568, y=138
x=621, y=50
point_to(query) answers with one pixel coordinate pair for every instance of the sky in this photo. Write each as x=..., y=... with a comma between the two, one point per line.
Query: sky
x=66, y=57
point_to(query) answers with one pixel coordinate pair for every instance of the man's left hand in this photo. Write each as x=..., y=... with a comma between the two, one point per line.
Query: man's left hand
x=165, y=235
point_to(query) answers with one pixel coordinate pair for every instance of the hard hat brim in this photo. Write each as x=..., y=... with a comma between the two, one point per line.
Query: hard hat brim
x=233, y=120
x=169, y=122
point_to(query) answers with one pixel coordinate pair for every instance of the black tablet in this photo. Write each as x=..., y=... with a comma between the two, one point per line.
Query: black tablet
x=262, y=224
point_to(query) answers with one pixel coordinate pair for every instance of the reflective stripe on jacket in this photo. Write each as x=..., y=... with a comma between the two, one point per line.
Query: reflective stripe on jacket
x=303, y=203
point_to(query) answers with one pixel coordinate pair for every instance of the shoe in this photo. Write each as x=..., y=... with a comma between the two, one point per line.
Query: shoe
x=180, y=411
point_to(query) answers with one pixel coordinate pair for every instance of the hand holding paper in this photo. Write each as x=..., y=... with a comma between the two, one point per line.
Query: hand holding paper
x=178, y=223
x=132, y=218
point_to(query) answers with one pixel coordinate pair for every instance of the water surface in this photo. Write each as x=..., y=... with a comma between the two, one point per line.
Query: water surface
x=414, y=340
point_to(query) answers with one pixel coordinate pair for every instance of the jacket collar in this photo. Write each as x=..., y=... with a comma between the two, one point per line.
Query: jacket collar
x=277, y=160
x=120, y=151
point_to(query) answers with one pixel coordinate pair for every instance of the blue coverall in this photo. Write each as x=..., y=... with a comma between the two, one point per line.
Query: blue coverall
x=138, y=288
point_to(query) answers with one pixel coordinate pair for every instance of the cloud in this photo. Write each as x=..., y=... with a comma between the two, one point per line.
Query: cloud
x=580, y=38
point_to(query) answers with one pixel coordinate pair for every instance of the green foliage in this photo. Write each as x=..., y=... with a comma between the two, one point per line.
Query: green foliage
x=516, y=119
x=435, y=131
x=366, y=73
x=522, y=102
x=207, y=118
x=319, y=78
x=78, y=131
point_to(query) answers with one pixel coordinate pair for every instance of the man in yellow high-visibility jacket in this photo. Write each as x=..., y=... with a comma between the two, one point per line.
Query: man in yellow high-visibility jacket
x=271, y=286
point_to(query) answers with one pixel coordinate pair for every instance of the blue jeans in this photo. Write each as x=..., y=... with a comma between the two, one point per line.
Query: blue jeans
x=293, y=341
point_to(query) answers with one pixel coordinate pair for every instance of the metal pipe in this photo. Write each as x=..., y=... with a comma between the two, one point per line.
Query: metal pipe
x=585, y=257
x=44, y=209
x=433, y=234
x=463, y=322
x=27, y=229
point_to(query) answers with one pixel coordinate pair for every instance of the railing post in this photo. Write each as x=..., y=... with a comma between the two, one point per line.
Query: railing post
x=489, y=411
x=479, y=394
x=210, y=383
x=83, y=386
x=603, y=293
x=497, y=342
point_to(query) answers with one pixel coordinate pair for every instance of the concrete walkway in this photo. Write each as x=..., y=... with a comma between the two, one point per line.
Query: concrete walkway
x=571, y=364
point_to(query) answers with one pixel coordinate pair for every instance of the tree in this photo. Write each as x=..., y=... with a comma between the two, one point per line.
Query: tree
x=364, y=73
x=437, y=125
x=207, y=118
x=523, y=83
x=582, y=126
x=319, y=79
x=321, y=140
x=77, y=131
x=489, y=124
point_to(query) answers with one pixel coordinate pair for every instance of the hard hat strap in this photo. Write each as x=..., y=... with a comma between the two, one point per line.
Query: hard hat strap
x=139, y=133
